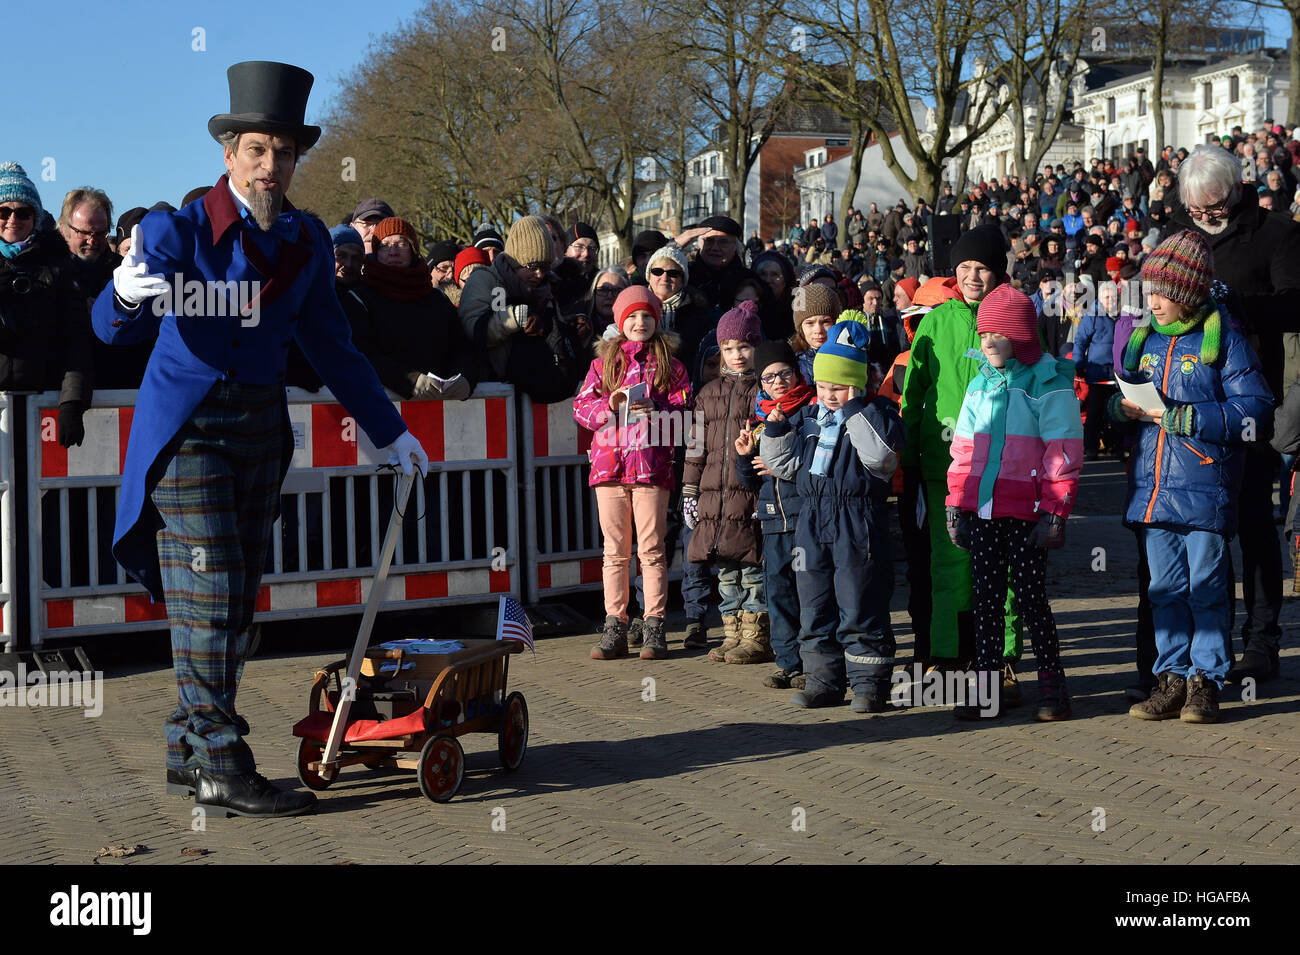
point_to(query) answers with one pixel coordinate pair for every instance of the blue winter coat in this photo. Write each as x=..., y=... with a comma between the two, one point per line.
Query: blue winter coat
x=865, y=458
x=1094, y=342
x=1193, y=482
x=208, y=240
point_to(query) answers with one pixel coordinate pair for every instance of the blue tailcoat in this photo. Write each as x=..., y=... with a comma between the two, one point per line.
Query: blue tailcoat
x=208, y=240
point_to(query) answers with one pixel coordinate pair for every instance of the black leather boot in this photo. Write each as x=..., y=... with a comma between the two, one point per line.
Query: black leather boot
x=248, y=794
x=182, y=782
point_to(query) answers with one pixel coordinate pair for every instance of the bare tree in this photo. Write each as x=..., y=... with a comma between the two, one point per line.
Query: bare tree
x=1040, y=57
x=722, y=46
x=903, y=54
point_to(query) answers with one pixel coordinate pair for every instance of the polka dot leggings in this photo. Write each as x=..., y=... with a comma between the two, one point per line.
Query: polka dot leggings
x=997, y=545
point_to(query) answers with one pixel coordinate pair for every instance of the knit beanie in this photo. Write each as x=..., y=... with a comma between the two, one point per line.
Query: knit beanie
x=673, y=254
x=1010, y=313
x=842, y=360
x=815, y=299
x=339, y=235
x=581, y=230
x=635, y=298
x=470, y=256
x=16, y=187
x=395, y=226
x=741, y=324
x=1181, y=269
x=774, y=352
x=1113, y=264
x=782, y=263
x=909, y=286
x=529, y=242
x=648, y=241
x=443, y=252
x=985, y=245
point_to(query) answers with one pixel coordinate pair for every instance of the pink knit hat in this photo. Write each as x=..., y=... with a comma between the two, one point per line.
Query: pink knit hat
x=634, y=298
x=741, y=324
x=1009, y=312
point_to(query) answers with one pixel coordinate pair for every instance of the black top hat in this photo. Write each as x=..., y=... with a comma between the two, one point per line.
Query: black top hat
x=267, y=97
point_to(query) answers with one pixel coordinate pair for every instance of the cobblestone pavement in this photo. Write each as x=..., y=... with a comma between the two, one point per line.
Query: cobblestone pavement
x=715, y=768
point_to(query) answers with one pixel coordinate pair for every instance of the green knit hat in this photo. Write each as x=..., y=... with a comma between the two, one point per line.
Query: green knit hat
x=842, y=360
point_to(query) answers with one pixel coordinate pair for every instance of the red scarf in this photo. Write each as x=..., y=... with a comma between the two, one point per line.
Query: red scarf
x=402, y=284
x=794, y=399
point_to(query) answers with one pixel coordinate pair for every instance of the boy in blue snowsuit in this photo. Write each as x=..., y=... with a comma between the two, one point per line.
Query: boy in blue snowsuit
x=842, y=453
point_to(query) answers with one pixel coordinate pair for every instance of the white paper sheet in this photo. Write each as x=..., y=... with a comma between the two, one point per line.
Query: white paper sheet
x=1145, y=395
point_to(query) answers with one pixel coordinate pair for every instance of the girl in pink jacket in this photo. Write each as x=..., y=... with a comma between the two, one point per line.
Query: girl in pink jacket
x=636, y=399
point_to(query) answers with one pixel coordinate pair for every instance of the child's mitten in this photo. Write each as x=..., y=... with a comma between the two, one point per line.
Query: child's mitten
x=959, y=526
x=690, y=510
x=1049, y=532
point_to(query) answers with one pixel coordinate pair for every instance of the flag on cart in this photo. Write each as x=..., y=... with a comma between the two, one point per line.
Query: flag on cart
x=513, y=624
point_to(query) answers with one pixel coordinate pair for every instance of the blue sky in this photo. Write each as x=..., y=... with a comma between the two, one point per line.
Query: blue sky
x=117, y=97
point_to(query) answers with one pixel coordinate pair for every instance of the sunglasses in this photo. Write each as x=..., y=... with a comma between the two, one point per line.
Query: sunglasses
x=671, y=273
x=22, y=215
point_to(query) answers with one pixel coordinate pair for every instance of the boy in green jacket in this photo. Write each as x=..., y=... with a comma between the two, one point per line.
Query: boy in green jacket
x=945, y=358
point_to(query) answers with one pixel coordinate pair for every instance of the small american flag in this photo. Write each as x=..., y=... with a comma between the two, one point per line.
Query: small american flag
x=512, y=623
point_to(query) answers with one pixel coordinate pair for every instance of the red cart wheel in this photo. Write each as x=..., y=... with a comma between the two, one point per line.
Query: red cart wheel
x=310, y=751
x=512, y=737
x=442, y=768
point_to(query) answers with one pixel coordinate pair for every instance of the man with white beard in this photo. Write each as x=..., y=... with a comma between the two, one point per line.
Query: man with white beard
x=1257, y=256
x=210, y=442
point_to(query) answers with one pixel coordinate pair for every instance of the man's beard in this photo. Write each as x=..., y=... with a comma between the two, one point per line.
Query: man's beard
x=265, y=205
x=1213, y=229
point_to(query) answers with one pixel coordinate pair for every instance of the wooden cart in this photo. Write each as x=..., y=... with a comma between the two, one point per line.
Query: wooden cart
x=464, y=691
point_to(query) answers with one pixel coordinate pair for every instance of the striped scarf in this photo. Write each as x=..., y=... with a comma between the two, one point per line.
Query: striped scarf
x=830, y=422
x=668, y=313
x=1210, y=344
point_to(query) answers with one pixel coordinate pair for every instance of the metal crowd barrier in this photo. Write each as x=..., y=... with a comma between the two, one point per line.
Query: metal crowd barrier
x=562, y=539
x=459, y=543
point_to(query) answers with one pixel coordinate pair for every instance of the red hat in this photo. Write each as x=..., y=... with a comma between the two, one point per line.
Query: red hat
x=909, y=285
x=1009, y=312
x=1113, y=264
x=470, y=256
x=1132, y=226
x=635, y=298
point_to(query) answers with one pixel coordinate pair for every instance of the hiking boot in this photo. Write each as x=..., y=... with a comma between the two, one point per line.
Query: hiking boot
x=867, y=701
x=697, y=636
x=613, y=641
x=656, y=644
x=811, y=701
x=1053, y=697
x=1257, y=662
x=1202, y=704
x=798, y=682
x=755, y=640
x=1010, y=686
x=634, y=637
x=1165, y=701
x=971, y=710
x=782, y=679
x=730, y=638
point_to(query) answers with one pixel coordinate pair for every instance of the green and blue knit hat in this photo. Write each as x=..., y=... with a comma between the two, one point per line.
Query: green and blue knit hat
x=843, y=359
x=16, y=187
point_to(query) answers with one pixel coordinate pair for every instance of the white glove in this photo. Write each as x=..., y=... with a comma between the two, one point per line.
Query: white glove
x=401, y=451
x=131, y=282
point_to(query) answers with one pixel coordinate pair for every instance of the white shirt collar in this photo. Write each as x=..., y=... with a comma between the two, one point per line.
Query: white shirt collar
x=238, y=198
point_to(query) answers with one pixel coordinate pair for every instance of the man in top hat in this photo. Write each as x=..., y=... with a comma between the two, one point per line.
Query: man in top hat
x=210, y=441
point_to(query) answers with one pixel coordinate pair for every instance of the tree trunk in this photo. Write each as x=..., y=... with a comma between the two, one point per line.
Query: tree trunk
x=858, y=132
x=1158, y=83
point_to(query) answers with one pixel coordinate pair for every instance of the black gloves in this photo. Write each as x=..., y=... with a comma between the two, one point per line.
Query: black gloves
x=71, y=430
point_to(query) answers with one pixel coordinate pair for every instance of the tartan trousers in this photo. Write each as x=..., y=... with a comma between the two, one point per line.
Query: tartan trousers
x=217, y=499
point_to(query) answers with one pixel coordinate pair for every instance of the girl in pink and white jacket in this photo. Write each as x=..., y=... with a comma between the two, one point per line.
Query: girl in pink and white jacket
x=1014, y=475
x=631, y=458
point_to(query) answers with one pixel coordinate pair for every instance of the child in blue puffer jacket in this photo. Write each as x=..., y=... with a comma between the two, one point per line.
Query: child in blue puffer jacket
x=1187, y=468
